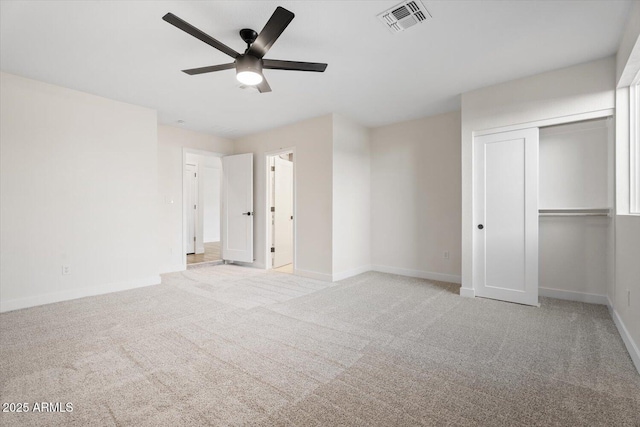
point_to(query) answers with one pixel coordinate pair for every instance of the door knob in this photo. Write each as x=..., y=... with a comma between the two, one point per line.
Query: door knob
x=246, y=213
x=480, y=226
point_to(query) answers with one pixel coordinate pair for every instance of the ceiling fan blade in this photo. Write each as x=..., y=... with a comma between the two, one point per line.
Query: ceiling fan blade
x=264, y=86
x=270, y=33
x=209, y=69
x=199, y=34
x=275, y=64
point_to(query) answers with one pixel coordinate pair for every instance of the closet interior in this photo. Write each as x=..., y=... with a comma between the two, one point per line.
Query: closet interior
x=576, y=229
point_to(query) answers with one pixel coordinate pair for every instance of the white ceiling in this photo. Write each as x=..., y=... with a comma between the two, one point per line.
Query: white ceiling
x=123, y=50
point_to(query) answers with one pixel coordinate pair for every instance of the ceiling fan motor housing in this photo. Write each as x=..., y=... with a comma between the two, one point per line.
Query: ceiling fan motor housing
x=248, y=63
x=248, y=35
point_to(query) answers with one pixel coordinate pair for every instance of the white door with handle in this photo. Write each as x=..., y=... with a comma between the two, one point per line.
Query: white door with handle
x=506, y=216
x=237, y=208
x=283, y=218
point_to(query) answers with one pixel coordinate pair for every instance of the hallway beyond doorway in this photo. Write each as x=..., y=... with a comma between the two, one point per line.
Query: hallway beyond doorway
x=211, y=253
x=287, y=268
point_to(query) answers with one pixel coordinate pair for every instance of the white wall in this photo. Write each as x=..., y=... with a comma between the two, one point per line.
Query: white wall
x=78, y=188
x=312, y=140
x=351, y=198
x=579, y=89
x=625, y=295
x=574, y=165
x=171, y=143
x=628, y=277
x=415, y=197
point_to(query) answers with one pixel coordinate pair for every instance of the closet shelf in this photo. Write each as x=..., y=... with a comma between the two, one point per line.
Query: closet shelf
x=575, y=212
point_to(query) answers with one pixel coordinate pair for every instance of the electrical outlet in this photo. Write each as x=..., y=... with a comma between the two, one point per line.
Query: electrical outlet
x=66, y=270
x=445, y=255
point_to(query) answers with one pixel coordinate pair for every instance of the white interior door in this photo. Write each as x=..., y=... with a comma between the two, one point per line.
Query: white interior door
x=212, y=178
x=190, y=208
x=506, y=216
x=283, y=218
x=237, y=208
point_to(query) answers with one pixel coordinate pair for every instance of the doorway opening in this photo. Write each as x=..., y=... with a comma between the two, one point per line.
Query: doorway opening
x=281, y=211
x=202, y=206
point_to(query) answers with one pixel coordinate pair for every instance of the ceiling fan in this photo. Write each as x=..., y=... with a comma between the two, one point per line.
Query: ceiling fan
x=249, y=65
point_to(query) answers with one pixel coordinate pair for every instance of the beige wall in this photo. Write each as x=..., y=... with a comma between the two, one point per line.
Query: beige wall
x=415, y=201
x=312, y=140
x=351, y=198
x=78, y=188
x=172, y=142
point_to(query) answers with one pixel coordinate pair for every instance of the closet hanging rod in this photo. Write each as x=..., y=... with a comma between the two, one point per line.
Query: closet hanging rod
x=596, y=208
x=571, y=210
x=573, y=214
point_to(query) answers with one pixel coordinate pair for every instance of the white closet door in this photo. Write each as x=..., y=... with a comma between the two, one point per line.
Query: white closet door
x=506, y=216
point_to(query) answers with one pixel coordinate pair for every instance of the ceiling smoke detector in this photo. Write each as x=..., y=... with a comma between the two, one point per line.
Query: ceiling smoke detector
x=404, y=15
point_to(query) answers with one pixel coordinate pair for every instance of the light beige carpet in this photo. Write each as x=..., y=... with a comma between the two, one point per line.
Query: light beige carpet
x=228, y=345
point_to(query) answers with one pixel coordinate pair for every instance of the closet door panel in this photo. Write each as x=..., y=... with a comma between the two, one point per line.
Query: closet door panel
x=504, y=224
x=506, y=213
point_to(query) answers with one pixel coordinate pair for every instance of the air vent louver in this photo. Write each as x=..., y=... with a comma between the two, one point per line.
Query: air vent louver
x=404, y=15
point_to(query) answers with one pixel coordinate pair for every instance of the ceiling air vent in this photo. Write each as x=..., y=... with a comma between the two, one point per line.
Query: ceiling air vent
x=404, y=15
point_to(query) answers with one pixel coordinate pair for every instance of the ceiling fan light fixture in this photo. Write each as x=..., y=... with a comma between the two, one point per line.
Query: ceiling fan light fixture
x=249, y=70
x=250, y=78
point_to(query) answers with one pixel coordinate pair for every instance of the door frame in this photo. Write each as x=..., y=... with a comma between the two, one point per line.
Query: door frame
x=186, y=150
x=267, y=206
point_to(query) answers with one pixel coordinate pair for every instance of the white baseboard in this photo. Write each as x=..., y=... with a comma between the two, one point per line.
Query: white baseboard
x=467, y=292
x=573, y=296
x=203, y=264
x=441, y=277
x=632, y=347
x=18, y=303
x=350, y=273
x=259, y=265
x=313, y=275
x=173, y=268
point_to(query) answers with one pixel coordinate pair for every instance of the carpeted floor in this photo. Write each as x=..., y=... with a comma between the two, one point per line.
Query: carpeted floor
x=228, y=345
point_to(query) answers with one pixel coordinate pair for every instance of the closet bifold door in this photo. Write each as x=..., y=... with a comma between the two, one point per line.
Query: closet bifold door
x=506, y=216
